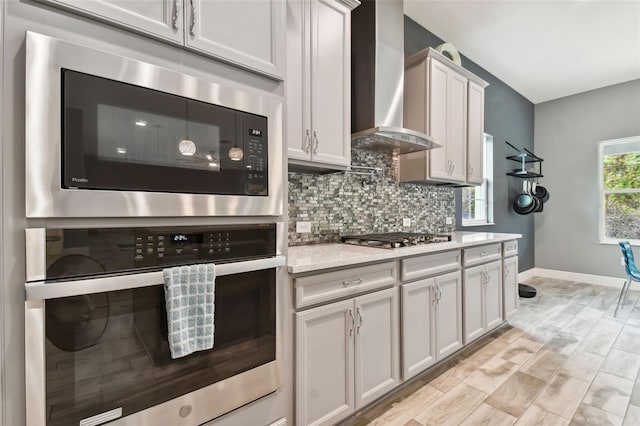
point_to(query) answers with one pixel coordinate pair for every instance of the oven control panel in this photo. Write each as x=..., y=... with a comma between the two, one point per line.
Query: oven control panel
x=113, y=250
x=206, y=245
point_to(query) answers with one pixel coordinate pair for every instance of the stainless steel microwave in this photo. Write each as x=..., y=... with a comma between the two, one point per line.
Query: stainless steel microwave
x=110, y=136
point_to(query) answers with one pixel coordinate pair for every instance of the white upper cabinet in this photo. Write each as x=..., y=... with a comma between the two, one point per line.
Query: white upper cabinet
x=248, y=33
x=157, y=18
x=446, y=102
x=318, y=87
x=475, y=134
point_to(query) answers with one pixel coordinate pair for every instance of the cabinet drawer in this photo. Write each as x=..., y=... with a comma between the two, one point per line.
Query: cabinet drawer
x=510, y=248
x=430, y=264
x=482, y=254
x=334, y=285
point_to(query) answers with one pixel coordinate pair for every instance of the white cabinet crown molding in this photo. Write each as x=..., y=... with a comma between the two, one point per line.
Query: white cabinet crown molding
x=351, y=4
x=430, y=52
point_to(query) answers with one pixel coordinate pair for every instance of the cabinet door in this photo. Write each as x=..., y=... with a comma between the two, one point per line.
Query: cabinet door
x=475, y=134
x=493, y=295
x=418, y=309
x=377, y=357
x=248, y=33
x=297, y=84
x=457, y=126
x=510, y=286
x=157, y=18
x=474, y=279
x=330, y=82
x=437, y=122
x=448, y=314
x=324, y=364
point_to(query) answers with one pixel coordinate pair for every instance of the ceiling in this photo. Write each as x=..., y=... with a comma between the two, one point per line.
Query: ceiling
x=542, y=49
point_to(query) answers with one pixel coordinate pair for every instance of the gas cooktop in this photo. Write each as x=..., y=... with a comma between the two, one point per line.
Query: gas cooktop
x=395, y=239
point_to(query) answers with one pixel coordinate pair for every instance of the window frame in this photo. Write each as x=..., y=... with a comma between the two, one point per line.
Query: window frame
x=487, y=169
x=602, y=238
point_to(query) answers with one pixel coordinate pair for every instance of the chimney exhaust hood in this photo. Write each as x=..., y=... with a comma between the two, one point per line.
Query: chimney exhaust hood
x=377, y=80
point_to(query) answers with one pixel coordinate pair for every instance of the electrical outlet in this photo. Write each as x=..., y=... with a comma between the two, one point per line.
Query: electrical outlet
x=303, y=227
x=406, y=221
x=449, y=221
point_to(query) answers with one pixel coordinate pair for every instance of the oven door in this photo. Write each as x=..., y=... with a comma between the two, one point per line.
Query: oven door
x=97, y=350
x=110, y=136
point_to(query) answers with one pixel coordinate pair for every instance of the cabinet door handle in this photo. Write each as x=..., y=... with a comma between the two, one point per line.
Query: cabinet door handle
x=315, y=138
x=506, y=272
x=353, y=322
x=360, y=317
x=174, y=18
x=448, y=167
x=439, y=293
x=435, y=295
x=453, y=167
x=193, y=19
x=306, y=142
x=470, y=171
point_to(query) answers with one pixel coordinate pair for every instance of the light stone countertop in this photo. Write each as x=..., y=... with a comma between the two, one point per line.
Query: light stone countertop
x=314, y=257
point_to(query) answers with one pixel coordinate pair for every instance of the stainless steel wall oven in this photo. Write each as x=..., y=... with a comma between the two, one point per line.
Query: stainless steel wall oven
x=96, y=325
x=112, y=136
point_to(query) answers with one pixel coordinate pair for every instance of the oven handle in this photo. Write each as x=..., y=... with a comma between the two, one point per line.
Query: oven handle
x=39, y=290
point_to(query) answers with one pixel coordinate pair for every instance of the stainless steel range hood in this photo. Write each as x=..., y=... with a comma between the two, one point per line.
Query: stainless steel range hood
x=377, y=80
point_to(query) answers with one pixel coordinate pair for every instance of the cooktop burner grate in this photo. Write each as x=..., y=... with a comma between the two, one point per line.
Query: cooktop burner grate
x=395, y=239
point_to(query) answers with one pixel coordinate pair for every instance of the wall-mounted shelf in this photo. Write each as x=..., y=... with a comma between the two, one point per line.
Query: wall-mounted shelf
x=525, y=157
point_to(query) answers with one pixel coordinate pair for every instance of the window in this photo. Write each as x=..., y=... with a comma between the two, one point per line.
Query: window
x=619, y=163
x=477, y=201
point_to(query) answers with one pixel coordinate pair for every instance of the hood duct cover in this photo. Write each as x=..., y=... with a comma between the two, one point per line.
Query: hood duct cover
x=377, y=80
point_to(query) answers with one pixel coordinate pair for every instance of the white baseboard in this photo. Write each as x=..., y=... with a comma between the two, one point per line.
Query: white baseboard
x=572, y=276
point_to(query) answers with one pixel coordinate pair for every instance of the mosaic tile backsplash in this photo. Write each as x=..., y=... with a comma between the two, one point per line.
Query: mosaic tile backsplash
x=343, y=204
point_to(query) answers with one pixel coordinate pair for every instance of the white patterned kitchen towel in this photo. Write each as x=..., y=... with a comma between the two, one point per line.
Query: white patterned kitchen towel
x=190, y=294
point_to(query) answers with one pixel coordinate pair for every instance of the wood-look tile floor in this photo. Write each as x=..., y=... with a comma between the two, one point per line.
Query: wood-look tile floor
x=562, y=360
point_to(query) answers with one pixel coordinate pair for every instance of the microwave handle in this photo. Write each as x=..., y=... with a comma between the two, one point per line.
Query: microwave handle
x=40, y=290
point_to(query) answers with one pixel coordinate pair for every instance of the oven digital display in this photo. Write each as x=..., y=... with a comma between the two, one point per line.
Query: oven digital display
x=186, y=238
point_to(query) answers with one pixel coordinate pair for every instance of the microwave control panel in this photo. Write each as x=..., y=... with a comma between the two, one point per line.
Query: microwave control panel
x=256, y=161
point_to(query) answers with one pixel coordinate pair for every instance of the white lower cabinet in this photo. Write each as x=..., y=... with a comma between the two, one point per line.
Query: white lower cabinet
x=347, y=355
x=431, y=321
x=483, y=299
x=510, y=286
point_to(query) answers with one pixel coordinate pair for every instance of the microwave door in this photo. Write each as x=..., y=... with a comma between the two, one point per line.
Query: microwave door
x=119, y=136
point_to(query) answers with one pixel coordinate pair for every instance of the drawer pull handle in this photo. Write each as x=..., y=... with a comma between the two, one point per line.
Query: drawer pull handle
x=484, y=253
x=349, y=282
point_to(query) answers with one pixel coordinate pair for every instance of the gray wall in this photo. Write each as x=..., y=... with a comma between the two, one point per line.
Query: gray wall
x=508, y=117
x=567, y=132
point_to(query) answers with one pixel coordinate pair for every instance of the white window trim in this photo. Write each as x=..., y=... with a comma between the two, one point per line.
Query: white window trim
x=488, y=164
x=602, y=239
